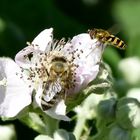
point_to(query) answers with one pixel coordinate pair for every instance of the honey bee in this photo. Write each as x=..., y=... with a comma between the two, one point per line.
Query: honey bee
x=107, y=38
x=59, y=79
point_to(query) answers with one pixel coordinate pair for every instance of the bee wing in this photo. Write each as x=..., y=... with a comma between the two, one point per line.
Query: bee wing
x=52, y=88
x=50, y=95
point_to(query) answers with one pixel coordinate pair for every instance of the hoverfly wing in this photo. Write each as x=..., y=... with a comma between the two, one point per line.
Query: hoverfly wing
x=115, y=29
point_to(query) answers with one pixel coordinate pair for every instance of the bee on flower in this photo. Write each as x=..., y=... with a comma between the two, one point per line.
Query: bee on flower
x=54, y=70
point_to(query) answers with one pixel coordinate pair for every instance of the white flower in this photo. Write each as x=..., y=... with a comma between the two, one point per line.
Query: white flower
x=7, y=132
x=15, y=93
x=134, y=93
x=54, y=70
x=130, y=65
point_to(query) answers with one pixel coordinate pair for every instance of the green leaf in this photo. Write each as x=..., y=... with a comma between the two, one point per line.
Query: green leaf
x=40, y=122
x=117, y=133
x=136, y=134
x=127, y=113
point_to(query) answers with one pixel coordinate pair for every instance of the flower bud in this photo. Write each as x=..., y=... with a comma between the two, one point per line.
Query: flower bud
x=106, y=109
x=43, y=137
x=7, y=132
x=128, y=112
x=63, y=135
x=134, y=93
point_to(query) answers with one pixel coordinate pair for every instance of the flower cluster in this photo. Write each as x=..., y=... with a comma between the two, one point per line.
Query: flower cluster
x=51, y=69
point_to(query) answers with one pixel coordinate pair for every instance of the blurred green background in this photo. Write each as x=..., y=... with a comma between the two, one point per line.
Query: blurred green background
x=22, y=20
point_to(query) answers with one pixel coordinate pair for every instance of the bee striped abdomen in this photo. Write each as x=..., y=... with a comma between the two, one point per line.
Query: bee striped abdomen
x=47, y=105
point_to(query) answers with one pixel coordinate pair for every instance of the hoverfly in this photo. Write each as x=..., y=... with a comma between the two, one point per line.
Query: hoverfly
x=106, y=37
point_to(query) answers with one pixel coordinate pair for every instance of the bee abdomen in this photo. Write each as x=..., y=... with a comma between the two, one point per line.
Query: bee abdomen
x=47, y=105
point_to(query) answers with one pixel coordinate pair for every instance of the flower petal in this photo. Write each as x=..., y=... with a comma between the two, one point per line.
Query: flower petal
x=26, y=57
x=16, y=94
x=44, y=39
x=58, y=111
x=42, y=43
x=91, y=56
x=87, y=53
